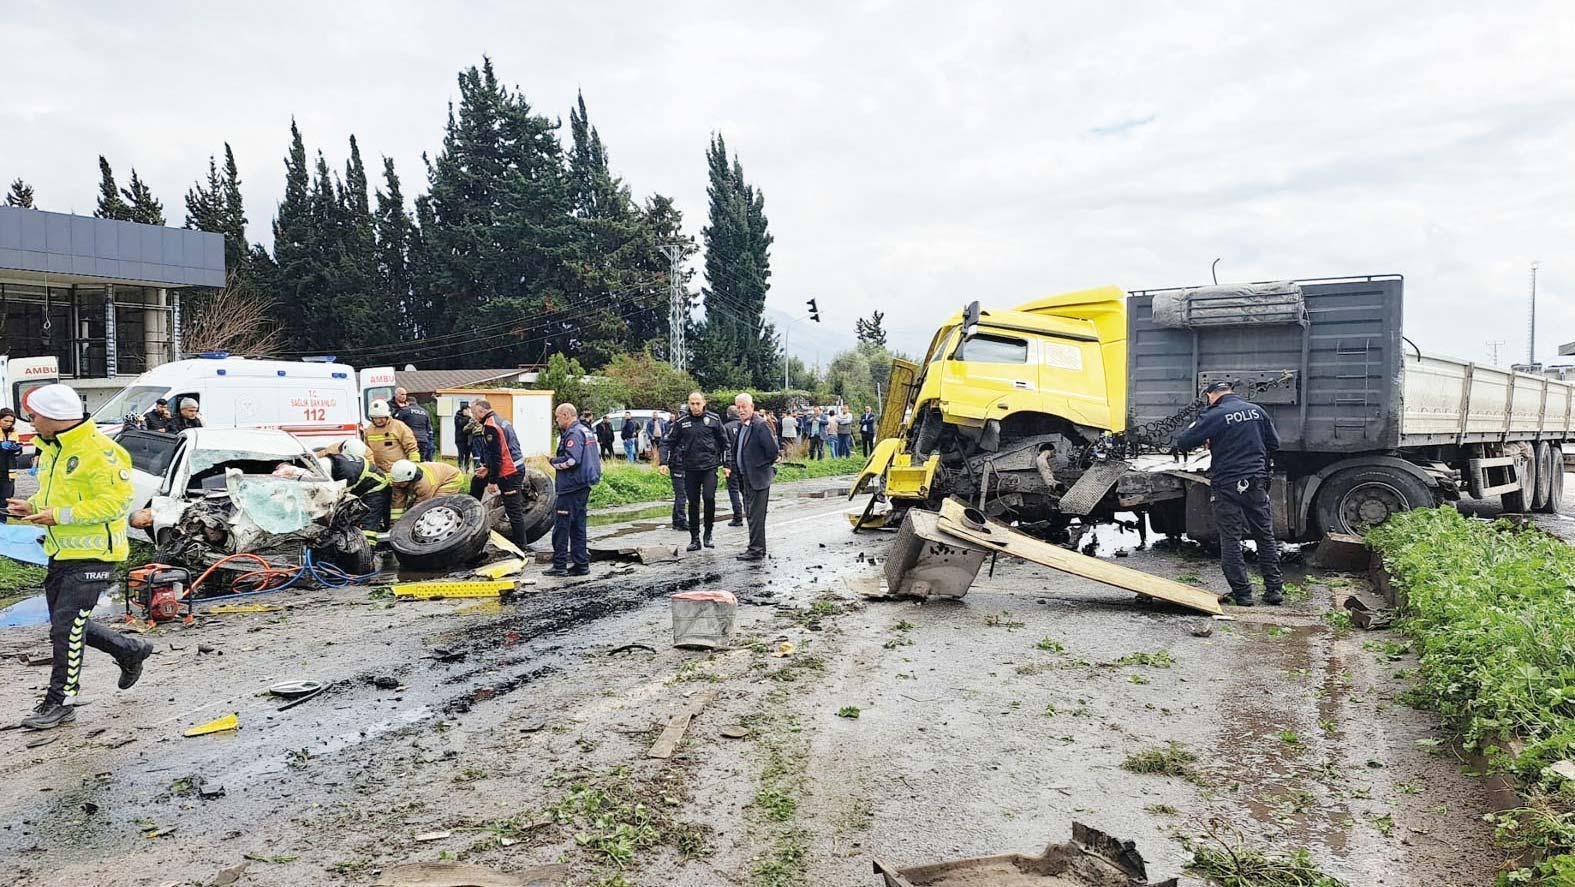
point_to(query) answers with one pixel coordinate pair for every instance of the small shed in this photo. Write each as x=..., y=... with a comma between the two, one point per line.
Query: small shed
x=528, y=410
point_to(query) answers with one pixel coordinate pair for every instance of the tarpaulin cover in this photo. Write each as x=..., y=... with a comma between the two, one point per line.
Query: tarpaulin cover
x=23, y=542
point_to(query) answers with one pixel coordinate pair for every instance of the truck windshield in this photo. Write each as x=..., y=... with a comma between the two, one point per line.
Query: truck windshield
x=135, y=400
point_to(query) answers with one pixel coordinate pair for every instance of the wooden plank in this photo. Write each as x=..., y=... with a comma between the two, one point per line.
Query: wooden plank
x=999, y=537
x=667, y=743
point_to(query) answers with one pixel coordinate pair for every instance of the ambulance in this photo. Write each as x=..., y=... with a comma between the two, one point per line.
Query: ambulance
x=18, y=376
x=319, y=402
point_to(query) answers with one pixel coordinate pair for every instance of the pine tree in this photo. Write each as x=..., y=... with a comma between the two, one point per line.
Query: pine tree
x=21, y=194
x=395, y=235
x=503, y=237
x=871, y=330
x=204, y=203
x=292, y=243
x=367, y=318
x=110, y=203
x=236, y=254
x=143, y=206
x=735, y=347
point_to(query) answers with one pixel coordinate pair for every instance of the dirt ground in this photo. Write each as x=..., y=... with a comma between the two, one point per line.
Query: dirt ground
x=516, y=735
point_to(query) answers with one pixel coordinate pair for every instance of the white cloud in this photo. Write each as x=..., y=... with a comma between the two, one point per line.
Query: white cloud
x=913, y=156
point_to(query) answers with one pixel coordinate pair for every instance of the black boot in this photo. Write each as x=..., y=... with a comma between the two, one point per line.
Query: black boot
x=737, y=521
x=131, y=668
x=694, y=542
x=708, y=542
x=580, y=570
x=49, y=715
x=556, y=571
x=1273, y=597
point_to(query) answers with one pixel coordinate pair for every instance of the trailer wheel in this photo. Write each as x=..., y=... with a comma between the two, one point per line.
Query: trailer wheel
x=1526, y=470
x=1550, y=480
x=1543, y=454
x=443, y=533
x=1357, y=499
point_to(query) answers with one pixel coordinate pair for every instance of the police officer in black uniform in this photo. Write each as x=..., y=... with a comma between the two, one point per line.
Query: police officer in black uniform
x=696, y=446
x=1242, y=440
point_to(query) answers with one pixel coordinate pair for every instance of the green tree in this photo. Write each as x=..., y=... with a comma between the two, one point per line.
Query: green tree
x=110, y=204
x=854, y=375
x=871, y=330
x=565, y=378
x=21, y=194
x=292, y=245
x=395, y=234
x=143, y=206
x=734, y=345
x=647, y=382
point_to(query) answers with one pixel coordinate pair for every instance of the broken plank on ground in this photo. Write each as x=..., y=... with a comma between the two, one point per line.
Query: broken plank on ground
x=667, y=743
x=999, y=537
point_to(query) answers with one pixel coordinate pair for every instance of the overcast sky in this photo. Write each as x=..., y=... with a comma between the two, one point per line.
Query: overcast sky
x=913, y=156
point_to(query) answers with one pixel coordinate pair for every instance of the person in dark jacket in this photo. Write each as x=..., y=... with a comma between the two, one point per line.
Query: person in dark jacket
x=363, y=480
x=159, y=418
x=699, y=444
x=630, y=433
x=754, y=459
x=734, y=485
x=462, y=435
x=867, y=431
x=1242, y=442
x=502, y=466
x=578, y=464
x=188, y=417
x=604, y=437
x=10, y=449
x=662, y=440
x=416, y=418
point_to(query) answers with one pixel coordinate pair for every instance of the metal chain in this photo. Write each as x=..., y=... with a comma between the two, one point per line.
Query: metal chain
x=1158, y=433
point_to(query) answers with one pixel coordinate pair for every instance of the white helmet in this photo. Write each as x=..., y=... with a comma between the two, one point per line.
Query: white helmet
x=403, y=472
x=355, y=448
x=379, y=410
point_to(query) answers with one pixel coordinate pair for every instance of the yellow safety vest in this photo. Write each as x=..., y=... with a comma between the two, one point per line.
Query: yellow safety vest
x=84, y=480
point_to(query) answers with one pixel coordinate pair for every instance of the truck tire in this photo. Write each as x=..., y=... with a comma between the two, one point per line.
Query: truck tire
x=444, y=533
x=540, y=498
x=1543, y=453
x=1555, y=479
x=1526, y=470
x=1355, y=499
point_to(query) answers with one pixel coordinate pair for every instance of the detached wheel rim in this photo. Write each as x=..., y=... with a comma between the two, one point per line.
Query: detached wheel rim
x=436, y=525
x=1369, y=504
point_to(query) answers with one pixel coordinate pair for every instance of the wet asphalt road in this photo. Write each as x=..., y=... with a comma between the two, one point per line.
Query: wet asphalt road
x=972, y=736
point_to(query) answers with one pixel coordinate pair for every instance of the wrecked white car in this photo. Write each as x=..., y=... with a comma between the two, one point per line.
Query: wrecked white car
x=209, y=492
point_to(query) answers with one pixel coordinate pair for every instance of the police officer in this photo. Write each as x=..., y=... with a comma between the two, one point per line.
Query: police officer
x=416, y=419
x=83, y=498
x=352, y=464
x=579, y=467
x=698, y=444
x=662, y=439
x=1242, y=440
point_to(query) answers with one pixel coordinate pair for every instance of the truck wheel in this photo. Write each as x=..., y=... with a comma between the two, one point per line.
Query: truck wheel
x=1526, y=470
x=1543, y=453
x=1555, y=479
x=1356, y=499
x=440, y=534
x=540, y=497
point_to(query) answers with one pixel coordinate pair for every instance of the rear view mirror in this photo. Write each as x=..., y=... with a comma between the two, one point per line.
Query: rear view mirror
x=970, y=319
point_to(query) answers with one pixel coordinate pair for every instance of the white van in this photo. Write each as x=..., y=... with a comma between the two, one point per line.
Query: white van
x=18, y=376
x=319, y=402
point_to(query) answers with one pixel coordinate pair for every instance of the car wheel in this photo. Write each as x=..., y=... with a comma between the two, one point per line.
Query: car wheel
x=440, y=534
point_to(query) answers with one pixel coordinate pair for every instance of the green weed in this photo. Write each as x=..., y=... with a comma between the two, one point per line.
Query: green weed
x=1172, y=759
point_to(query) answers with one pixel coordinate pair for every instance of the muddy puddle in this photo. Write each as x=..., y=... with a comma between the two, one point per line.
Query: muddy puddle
x=35, y=610
x=618, y=517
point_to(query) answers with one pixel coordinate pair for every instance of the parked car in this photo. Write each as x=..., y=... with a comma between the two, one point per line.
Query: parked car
x=641, y=416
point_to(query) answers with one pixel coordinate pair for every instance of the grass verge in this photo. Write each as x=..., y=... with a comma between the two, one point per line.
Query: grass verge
x=1491, y=610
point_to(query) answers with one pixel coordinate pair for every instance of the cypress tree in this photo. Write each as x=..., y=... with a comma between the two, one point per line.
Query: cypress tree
x=292, y=240
x=110, y=203
x=394, y=233
x=21, y=194
x=144, y=207
x=205, y=203
x=734, y=346
x=236, y=254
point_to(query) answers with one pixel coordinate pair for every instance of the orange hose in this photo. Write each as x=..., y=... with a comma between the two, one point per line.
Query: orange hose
x=266, y=577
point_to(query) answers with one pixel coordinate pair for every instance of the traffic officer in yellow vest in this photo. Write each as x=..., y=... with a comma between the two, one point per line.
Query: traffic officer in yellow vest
x=388, y=438
x=416, y=482
x=84, y=494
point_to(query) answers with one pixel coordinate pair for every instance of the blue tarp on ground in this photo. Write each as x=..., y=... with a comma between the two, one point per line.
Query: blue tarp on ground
x=23, y=542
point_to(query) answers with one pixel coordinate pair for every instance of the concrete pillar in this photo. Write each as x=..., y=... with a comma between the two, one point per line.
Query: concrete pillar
x=155, y=342
x=175, y=346
x=111, y=350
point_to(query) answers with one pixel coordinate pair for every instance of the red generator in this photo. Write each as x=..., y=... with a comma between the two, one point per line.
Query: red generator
x=161, y=591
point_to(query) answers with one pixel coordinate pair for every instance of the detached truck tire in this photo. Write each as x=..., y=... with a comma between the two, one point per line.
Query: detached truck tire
x=444, y=533
x=540, y=498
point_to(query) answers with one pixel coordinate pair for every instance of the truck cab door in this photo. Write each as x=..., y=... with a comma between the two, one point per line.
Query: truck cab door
x=376, y=384
x=899, y=389
x=989, y=376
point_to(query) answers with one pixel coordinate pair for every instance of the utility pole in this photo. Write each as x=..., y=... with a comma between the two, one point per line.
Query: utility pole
x=677, y=308
x=1493, y=347
x=1531, y=345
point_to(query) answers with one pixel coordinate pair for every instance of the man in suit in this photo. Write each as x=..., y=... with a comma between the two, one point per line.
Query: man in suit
x=754, y=458
x=734, y=484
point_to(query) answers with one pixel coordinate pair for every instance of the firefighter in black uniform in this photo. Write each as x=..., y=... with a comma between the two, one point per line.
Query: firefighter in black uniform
x=364, y=480
x=1242, y=441
x=696, y=445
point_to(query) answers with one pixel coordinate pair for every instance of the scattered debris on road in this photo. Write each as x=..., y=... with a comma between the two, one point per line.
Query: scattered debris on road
x=673, y=734
x=217, y=725
x=1091, y=858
